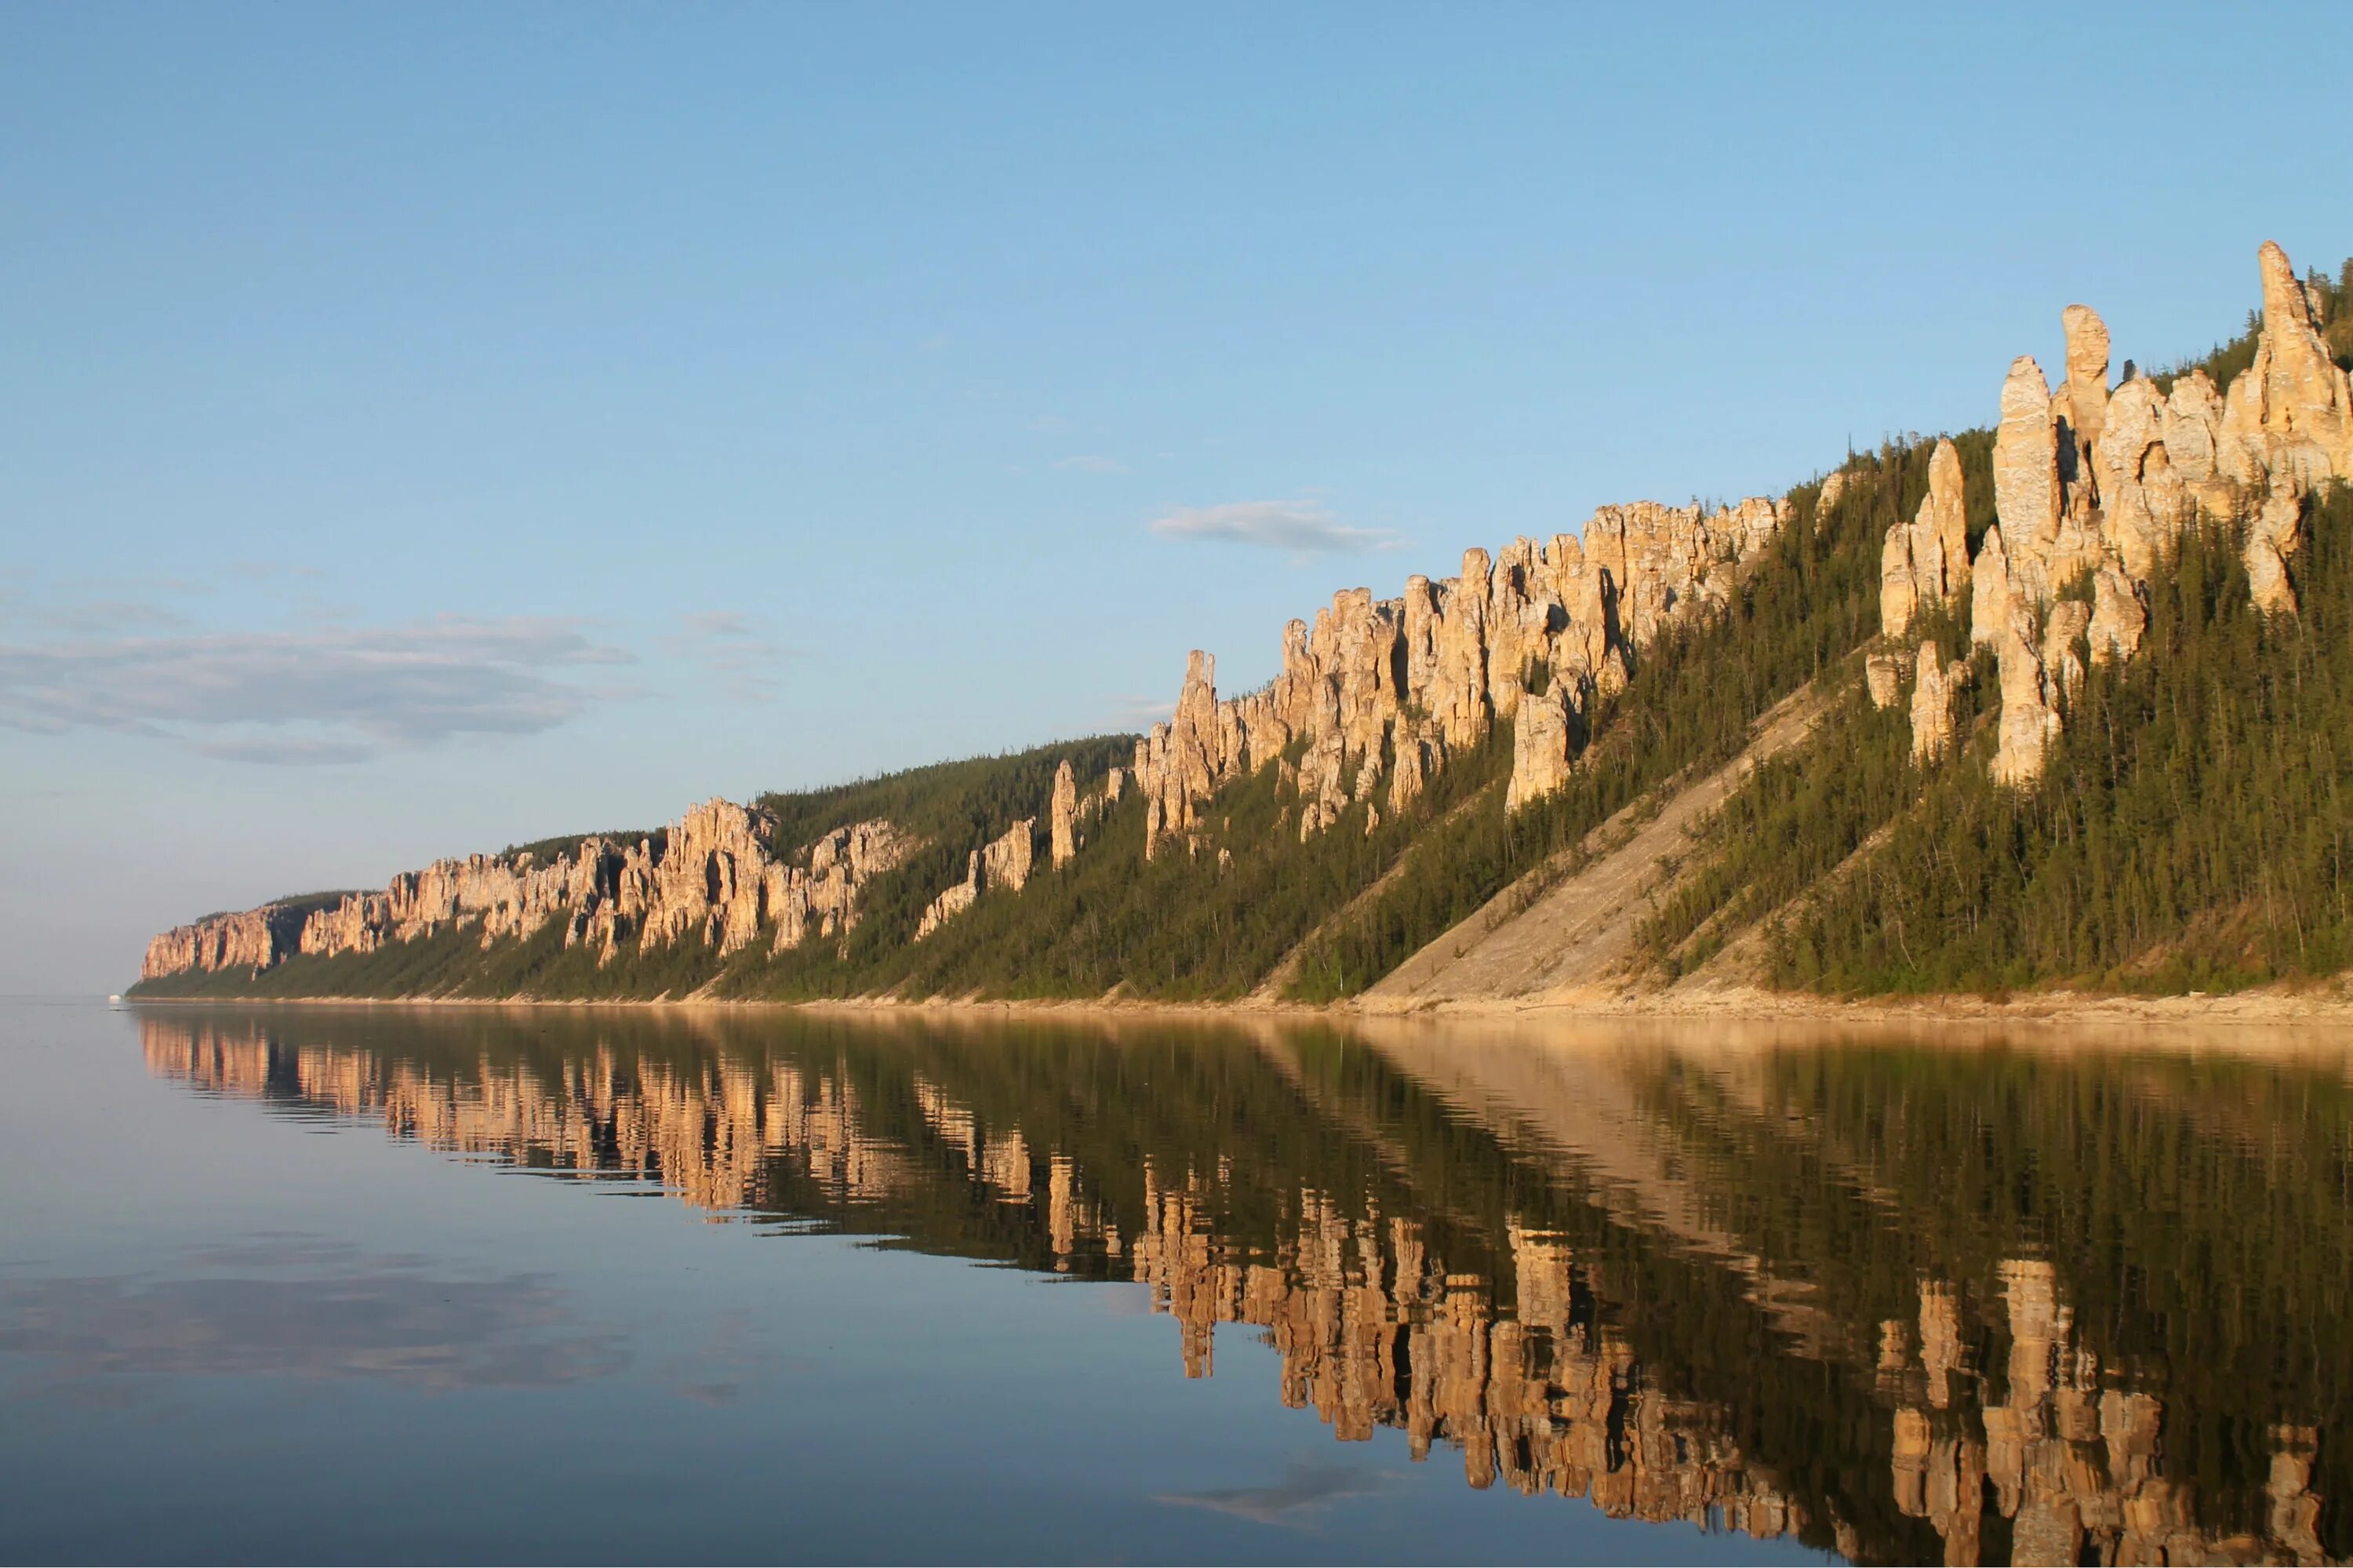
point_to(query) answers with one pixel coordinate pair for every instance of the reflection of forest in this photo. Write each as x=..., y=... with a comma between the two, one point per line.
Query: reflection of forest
x=1904, y=1304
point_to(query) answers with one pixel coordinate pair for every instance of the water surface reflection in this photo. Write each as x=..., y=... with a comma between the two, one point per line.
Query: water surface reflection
x=1905, y=1300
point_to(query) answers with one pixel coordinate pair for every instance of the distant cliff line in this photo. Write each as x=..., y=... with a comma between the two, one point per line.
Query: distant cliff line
x=1432, y=763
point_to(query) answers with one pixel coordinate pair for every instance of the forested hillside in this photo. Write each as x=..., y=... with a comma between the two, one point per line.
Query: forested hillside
x=2084, y=680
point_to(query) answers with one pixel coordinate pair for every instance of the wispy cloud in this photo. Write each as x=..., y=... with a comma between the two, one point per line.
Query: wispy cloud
x=98, y=616
x=265, y=571
x=1091, y=464
x=1303, y=527
x=286, y=751
x=736, y=648
x=718, y=623
x=1140, y=713
x=1305, y=1490
x=333, y=693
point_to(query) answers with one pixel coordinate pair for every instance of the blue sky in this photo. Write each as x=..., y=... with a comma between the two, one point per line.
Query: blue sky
x=423, y=429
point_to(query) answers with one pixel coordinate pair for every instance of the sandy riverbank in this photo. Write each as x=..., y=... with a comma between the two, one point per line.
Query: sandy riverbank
x=2324, y=1006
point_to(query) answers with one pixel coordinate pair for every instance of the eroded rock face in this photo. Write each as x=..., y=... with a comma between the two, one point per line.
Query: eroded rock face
x=1418, y=751
x=2027, y=722
x=1389, y=689
x=1006, y=860
x=708, y=882
x=1926, y=561
x=822, y=900
x=2118, y=619
x=1065, y=815
x=2272, y=538
x=2085, y=392
x=709, y=879
x=953, y=899
x=248, y=939
x=1003, y=862
x=2026, y=460
x=1539, y=748
x=2288, y=417
x=2133, y=469
x=2063, y=658
x=1882, y=677
x=1992, y=593
x=1932, y=703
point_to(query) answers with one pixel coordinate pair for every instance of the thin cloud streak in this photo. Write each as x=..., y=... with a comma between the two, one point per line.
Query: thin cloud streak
x=1303, y=527
x=1305, y=1490
x=733, y=647
x=332, y=693
x=1130, y=711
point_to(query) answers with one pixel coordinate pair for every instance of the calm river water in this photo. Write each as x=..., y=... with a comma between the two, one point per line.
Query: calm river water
x=536, y=1285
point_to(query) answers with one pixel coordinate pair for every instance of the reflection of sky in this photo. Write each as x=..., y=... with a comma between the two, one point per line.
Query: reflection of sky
x=226, y=1335
x=291, y=1307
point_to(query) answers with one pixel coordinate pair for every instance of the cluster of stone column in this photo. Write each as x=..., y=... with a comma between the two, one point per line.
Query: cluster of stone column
x=2094, y=486
x=1376, y=695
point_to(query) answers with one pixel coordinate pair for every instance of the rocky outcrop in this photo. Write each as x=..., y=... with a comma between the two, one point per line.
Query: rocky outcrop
x=1883, y=679
x=1064, y=815
x=709, y=882
x=2288, y=417
x=1006, y=860
x=1389, y=689
x=1926, y=561
x=2096, y=485
x=1539, y=748
x=251, y=940
x=709, y=878
x=821, y=899
x=2118, y=618
x=2028, y=721
x=1991, y=593
x=1003, y=862
x=2026, y=461
x=1932, y=693
x=2271, y=538
x=953, y=899
x=1177, y=763
x=2082, y=403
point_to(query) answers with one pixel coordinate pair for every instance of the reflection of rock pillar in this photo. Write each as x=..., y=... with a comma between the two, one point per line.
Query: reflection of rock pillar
x=2295, y=1513
x=1956, y=1470
x=1059, y=1208
x=2030, y=1290
x=1940, y=1340
x=1911, y=1463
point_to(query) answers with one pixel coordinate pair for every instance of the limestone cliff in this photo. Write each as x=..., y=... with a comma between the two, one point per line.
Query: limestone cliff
x=1003, y=862
x=2092, y=486
x=707, y=878
x=1533, y=652
x=1390, y=688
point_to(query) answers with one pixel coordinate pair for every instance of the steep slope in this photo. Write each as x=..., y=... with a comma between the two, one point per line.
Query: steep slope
x=1534, y=941
x=2135, y=779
